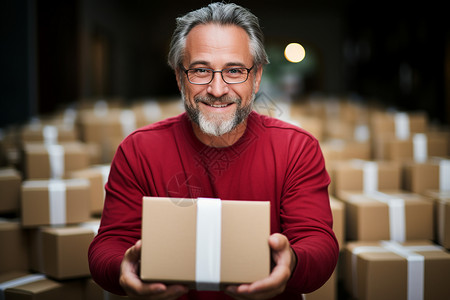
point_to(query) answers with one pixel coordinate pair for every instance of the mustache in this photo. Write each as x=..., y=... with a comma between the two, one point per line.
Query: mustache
x=211, y=99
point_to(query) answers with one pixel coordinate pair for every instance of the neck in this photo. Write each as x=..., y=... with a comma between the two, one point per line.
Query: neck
x=222, y=141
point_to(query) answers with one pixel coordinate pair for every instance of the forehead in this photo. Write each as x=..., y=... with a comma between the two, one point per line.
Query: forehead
x=217, y=45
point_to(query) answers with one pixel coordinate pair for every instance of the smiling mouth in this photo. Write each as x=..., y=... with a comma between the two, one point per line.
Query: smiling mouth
x=218, y=105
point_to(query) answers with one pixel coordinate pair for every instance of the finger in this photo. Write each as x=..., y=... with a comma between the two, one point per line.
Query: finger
x=170, y=292
x=232, y=292
x=277, y=278
x=278, y=242
x=134, y=252
x=282, y=252
x=157, y=291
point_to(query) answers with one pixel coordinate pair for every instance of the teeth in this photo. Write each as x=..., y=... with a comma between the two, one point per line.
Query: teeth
x=218, y=106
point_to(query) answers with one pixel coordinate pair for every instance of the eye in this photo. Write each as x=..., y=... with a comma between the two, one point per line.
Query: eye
x=201, y=71
x=235, y=71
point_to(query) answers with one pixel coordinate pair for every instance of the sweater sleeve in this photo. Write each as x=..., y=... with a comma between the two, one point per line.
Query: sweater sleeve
x=120, y=226
x=306, y=218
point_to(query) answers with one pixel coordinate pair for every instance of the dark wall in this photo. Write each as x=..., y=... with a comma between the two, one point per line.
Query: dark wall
x=17, y=60
x=57, y=52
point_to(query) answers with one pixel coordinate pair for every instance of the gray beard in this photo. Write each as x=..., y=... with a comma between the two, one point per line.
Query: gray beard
x=217, y=125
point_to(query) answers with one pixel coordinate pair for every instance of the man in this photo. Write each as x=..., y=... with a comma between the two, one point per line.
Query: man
x=220, y=148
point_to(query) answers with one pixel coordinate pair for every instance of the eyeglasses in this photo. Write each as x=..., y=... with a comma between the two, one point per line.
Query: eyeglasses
x=206, y=75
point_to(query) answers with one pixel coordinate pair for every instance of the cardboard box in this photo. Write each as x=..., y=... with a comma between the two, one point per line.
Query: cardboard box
x=61, y=252
x=55, y=202
x=10, y=182
x=338, y=211
x=399, y=124
x=48, y=133
x=433, y=174
x=328, y=291
x=147, y=111
x=99, y=124
x=396, y=216
x=106, y=127
x=22, y=286
x=441, y=200
x=417, y=148
x=54, y=161
x=97, y=176
x=386, y=270
x=241, y=252
x=365, y=176
x=336, y=150
x=13, y=252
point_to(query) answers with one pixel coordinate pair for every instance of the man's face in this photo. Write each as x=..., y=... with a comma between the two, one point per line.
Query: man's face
x=218, y=107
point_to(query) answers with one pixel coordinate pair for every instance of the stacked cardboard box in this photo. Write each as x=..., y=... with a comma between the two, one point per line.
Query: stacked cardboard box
x=441, y=202
x=10, y=181
x=395, y=157
x=392, y=270
x=27, y=286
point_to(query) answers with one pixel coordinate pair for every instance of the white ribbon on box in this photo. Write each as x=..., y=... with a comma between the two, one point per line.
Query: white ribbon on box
x=397, y=219
x=127, y=121
x=57, y=201
x=444, y=175
x=50, y=134
x=56, y=157
x=370, y=174
x=420, y=147
x=401, y=120
x=370, y=177
x=415, y=267
x=208, y=244
x=19, y=281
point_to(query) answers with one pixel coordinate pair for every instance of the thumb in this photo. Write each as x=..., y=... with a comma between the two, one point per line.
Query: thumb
x=278, y=242
x=134, y=252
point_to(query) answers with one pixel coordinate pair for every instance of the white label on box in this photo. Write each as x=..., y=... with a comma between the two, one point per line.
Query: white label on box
x=56, y=157
x=362, y=133
x=401, y=120
x=19, y=281
x=370, y=177
x=128, y=122
x=152, y=111
x=397, y=219
x=420, y=150
x=50, y=134
x=57, y=201
x=444, y=175
x=208, y=244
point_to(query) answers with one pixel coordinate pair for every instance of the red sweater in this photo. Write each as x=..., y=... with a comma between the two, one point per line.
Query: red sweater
x=273, y=161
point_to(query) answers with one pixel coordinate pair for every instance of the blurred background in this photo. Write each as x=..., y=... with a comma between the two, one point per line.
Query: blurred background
x=369, y=79
x=56, y=53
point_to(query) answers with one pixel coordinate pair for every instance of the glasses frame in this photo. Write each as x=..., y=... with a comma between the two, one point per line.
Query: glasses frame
x=213, y=72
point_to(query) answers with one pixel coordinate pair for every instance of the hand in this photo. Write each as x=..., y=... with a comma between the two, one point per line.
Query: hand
x=285, y=262
x=135, y=287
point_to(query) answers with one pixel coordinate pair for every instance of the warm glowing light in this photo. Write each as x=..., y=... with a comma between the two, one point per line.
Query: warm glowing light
x=294, y=52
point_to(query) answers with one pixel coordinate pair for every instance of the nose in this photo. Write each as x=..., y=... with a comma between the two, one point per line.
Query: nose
x=217, y=87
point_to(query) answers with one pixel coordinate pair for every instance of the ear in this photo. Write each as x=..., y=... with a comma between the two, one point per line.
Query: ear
x=258, y=76
x=178, y=75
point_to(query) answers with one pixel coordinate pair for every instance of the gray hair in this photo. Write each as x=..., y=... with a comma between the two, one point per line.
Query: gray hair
x=222, y=14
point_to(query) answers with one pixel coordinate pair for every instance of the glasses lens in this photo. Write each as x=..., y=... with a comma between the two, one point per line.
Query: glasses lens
x=235, y=75
x=200, y=75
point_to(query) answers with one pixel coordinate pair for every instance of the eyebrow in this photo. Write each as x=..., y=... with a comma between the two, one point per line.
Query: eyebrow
x=206, y=63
